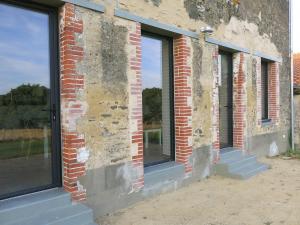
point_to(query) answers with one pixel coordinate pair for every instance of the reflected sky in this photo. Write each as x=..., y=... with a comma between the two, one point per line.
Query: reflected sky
x=24, y=48
x=151, y=62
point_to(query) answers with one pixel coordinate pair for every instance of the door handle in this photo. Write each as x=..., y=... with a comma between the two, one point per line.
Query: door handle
x=52, y=111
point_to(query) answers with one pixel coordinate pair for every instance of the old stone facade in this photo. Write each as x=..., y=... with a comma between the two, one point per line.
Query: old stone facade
x=101, y=90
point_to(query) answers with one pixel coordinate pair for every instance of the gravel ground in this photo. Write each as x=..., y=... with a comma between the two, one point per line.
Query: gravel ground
x=270, y=198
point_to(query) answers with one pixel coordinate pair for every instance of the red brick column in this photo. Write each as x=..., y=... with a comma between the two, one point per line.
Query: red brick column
x=136, y=113
x=273, y=89
x=257, y=63
x=239, y=101
x=183, y=102
x=296, y=63
x=215, y=105
x=73, y=143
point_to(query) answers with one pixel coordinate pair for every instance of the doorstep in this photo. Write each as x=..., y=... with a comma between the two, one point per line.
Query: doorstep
x=49, y=207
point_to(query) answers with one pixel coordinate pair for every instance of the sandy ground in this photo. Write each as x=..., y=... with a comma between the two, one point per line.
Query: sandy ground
x=270, y=198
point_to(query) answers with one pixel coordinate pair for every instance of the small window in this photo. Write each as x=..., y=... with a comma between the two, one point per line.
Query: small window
x=157, y=99
x=264, y=91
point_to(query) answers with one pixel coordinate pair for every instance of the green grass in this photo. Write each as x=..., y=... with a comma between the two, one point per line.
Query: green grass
x=21, y=148
x=292, y=153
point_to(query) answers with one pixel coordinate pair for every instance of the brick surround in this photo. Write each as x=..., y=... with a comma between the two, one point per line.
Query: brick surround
x=215, y=105
x=183, y=102
x=239, y=100
x=273, y=70
x=257, y=62
x=136, y=113
x=73, y=143
x=273, y=91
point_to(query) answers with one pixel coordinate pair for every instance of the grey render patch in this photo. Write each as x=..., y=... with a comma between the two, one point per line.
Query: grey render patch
x=109, y=187
x=201, y=161
x=197, y=67
x=210, y=11
x=114, y=57
x=260, y=144
x=155, y=2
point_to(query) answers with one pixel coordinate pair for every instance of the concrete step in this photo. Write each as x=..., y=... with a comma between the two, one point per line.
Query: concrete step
x=251, y=170
x=239, y=164
x=70, y=215
x=232, y=155
x=162, y=172
x=51, y=207
x=39, y=202
x=233, y=163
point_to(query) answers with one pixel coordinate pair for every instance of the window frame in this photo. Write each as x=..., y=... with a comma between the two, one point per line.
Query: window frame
x=171, y=94
x=265, y=92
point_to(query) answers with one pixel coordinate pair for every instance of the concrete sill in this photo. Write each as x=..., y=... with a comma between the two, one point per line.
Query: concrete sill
x=163, y=172
x=266, y=122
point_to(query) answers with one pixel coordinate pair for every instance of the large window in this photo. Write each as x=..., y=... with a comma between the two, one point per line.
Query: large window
x=264, y=90
x=157, y=99
x=29, y=134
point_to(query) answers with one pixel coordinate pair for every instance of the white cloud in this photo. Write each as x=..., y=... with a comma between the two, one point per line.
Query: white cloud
x=14, y=72
x=151, y=79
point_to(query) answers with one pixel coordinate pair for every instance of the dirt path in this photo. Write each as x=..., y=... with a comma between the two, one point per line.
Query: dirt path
x=270, y=198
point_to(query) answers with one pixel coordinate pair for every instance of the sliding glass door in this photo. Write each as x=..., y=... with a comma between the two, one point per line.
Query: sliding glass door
x=29, y=134
x=157, y=84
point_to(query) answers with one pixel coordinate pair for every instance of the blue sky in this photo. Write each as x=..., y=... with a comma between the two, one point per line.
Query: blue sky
x=24, y=48
x=24, y=53
x=151, y=62
x=296, y=25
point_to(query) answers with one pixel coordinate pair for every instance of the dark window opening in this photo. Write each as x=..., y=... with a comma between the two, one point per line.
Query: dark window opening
x=157, y=91
x=264, y=91
x=226, y=99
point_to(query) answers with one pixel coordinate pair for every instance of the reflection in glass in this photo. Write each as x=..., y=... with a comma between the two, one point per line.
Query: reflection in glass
x=25, y=125
x=264, y=90
x=156, y=102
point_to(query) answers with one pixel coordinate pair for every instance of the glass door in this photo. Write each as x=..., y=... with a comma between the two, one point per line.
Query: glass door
x=226, y=100
x=29, y=160
x=157, y=99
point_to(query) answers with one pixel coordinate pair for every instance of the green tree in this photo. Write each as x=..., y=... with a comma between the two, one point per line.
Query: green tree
x=152, y=105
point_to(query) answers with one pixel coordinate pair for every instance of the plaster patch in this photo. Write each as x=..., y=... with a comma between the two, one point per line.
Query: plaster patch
x=190, y=101
x=190, y=140
x=206, y=172
x=80, y=187
x=134, y=149
x=82, y=155
x=273, y=150
x=252, y=39
x=129, y=174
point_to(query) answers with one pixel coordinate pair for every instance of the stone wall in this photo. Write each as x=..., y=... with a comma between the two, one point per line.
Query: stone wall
x=101, y=91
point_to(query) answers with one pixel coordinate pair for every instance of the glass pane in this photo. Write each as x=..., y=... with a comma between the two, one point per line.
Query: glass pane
x=264, y=90
x=25, y=125
x=156, y=102
x=225, y=101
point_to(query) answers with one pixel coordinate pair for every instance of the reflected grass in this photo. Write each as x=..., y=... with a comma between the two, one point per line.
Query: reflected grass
x=21, y=148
